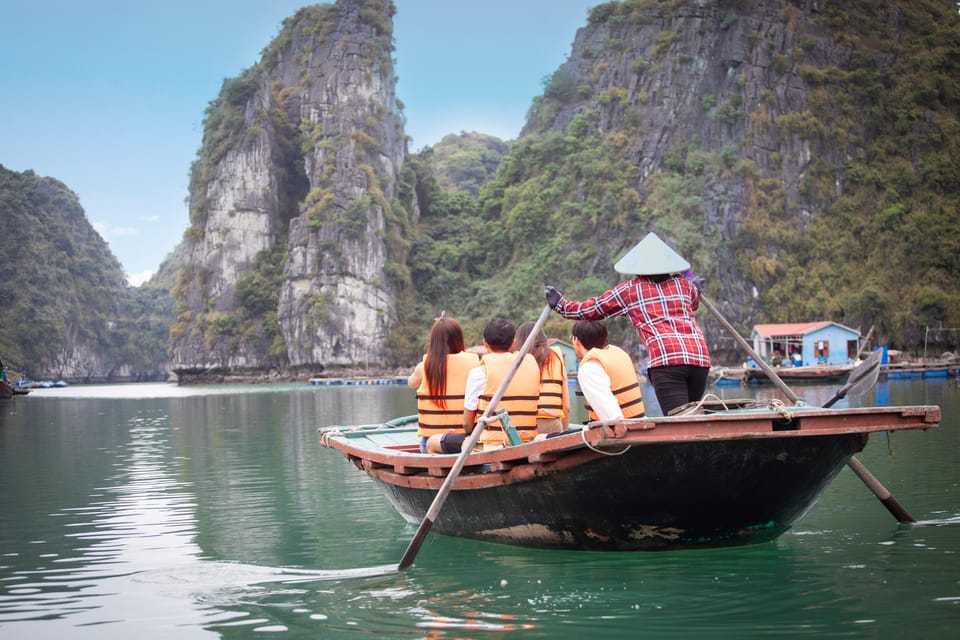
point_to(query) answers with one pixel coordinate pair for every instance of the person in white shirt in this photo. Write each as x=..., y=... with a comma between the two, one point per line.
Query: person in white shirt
x=607, y=376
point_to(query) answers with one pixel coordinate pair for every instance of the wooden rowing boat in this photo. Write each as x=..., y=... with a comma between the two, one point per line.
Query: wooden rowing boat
x=716, y=476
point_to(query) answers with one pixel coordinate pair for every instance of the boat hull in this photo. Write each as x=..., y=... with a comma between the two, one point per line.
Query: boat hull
x=719, y=476
x=651, y=498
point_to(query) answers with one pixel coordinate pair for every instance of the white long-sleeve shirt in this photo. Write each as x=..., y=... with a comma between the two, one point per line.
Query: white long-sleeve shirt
x=595, y=385
x=476, y=381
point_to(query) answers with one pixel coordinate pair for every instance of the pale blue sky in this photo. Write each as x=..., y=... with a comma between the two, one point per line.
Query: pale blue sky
x=108, y=96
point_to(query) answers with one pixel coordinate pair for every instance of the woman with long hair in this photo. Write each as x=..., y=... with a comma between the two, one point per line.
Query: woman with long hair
x=553, y=407
x=440, y=379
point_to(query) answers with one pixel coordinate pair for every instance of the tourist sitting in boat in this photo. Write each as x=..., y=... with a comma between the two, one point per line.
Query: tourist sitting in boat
x=440, y=379
x=519, y=400
x=607, y=376
x=553, y=406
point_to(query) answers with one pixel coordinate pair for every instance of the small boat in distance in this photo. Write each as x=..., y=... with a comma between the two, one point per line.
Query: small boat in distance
x=721, y=473
x=815, y=373
x=727, y=376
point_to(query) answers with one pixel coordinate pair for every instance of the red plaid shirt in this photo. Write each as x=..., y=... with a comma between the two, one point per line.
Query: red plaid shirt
x=661, y=311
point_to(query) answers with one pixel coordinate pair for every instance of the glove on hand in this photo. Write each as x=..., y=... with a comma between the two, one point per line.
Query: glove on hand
x=553, y=295
x=695, y=280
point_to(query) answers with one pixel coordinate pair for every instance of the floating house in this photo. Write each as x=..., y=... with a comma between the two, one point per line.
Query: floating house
x=826, y=343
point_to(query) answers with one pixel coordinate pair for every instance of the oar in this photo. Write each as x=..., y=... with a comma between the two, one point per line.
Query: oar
x=467, y=448
x=861, y=379
x=869, y=374
x=865, y=343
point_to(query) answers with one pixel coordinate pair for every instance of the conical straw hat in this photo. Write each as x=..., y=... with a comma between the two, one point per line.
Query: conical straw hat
x=651, y=257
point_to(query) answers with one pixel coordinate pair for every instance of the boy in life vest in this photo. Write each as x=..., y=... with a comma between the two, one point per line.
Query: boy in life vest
x=607, y=376
x=519, y=400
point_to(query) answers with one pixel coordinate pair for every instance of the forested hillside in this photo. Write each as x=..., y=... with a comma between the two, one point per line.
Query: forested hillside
x=65, y=310
x=804, y=157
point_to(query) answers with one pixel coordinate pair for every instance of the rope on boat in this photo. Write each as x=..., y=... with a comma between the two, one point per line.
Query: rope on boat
x=695, y=408
x=773, y=404
x=336, y=430
x=595, y=425
x=327, y=433
x=781, y=408
x=487, y=420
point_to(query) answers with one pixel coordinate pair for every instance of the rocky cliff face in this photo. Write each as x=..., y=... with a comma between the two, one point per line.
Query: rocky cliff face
x=293, y=204
x=795, y=151
x=761, y=135
x=705, y=79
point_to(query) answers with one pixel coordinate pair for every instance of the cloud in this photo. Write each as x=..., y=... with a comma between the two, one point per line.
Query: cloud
x=108, y=231
x=137, y=279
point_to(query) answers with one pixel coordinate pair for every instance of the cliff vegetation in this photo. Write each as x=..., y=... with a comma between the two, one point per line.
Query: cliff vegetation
x=65, y=309
x=803, y=155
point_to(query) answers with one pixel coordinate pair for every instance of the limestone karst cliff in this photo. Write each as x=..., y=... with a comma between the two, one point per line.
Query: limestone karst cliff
x=294, y=240
x=801, y=154
x=804, y=156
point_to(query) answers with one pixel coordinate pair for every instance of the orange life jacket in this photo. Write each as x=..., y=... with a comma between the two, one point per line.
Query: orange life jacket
x=519, y=400
x=435, y=418
x=623, y=379
x=553, y=380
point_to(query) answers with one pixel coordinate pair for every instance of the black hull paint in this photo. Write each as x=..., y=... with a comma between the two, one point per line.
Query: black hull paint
x=673, y=495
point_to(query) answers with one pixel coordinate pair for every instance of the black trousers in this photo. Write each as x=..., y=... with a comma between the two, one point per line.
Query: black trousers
x=678, y=384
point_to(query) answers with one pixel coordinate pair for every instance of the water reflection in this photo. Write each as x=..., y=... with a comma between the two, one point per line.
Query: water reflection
x=80, y=550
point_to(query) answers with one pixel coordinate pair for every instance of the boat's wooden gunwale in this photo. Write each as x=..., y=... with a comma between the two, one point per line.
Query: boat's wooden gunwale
x=397, y=464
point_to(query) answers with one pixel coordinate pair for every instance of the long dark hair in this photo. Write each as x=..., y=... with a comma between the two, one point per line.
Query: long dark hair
x=446, y=337
x=540, y=349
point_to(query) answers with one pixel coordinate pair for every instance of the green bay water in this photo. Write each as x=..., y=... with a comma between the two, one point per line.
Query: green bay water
x=157, y=511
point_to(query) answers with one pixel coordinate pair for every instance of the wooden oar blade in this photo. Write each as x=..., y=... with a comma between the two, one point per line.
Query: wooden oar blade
x=860, y=381
x=865, y=376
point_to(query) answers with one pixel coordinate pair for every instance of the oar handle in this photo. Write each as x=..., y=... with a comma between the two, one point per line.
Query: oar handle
x=467, y=447
x=885, y=497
